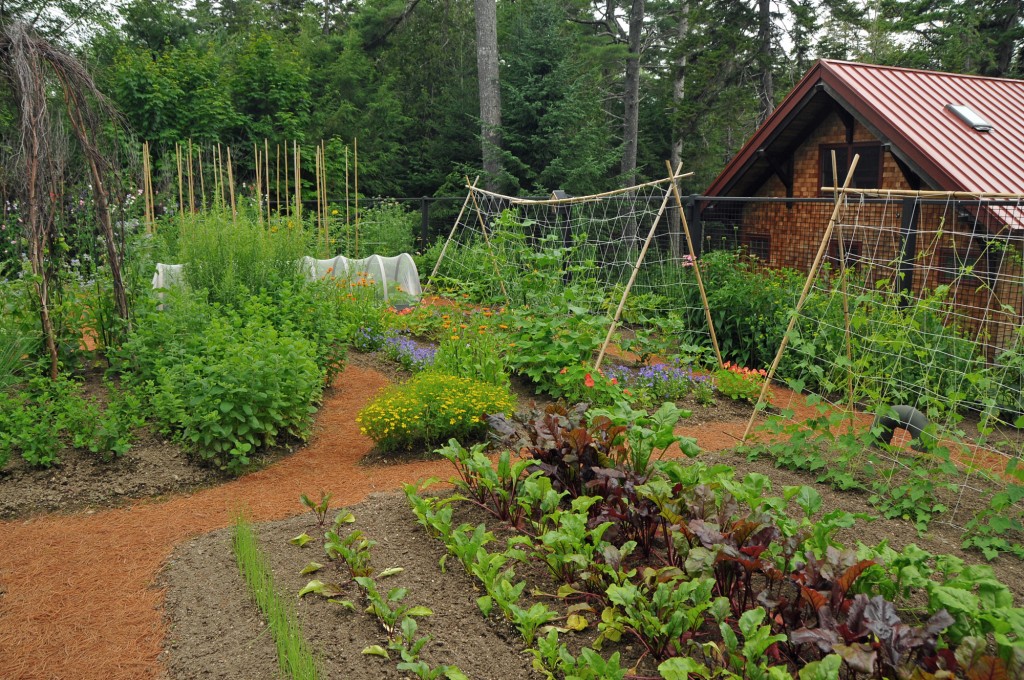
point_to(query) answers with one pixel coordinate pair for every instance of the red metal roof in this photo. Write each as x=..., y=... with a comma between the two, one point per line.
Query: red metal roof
x=907, y=109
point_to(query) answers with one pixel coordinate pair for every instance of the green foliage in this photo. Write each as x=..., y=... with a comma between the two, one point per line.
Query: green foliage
x=294, y=655
x=474, y=353
x=37, y=419
x=544, y=342
x=386, y=229
x=232, y=259
x=236, y=385
x=430, y=408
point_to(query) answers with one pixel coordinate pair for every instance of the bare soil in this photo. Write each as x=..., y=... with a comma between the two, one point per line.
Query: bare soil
x=219, y=633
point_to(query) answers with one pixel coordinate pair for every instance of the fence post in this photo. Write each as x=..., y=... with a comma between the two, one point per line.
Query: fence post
x=696, y=226
x=424, y=222
x=908, y=250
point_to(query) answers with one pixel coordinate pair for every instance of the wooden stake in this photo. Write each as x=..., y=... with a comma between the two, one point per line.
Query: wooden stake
x=803, y=295
x=451, y=234
x=633, y=274
x=145, y=187
x=287, y=191
x=696, y=265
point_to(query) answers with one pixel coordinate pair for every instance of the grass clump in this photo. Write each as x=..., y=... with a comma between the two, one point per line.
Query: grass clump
x=294, y=655
x=431, y=408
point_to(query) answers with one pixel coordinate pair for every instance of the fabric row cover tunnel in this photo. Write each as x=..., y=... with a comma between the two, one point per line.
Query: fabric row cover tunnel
x=395, y=278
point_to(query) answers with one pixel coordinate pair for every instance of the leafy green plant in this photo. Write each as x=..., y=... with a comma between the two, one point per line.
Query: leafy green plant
x=739, y=383
x=388, y=608
x=473, y=353
x=430, y=408
x=495, y=490
x=252, y=386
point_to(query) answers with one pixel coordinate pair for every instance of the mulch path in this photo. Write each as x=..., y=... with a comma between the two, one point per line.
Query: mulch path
x=76, y=591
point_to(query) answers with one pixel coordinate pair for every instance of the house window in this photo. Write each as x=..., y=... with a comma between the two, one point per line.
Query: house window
x=851, y=250
x=962, y=264
x=758, y=245
x=869, y=168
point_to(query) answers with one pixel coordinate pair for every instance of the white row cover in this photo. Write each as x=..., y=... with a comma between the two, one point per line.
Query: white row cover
x=391, y=275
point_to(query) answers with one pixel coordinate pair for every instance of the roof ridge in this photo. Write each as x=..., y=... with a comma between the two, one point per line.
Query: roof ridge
x=924, y=71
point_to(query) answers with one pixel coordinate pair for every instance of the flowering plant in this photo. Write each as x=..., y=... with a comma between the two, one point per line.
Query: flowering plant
x=581, y=383
x=738, y=382
x=432, y=408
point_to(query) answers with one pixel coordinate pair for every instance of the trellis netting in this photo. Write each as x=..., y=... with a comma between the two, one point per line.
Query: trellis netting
x=623, y=254
x=919, y=302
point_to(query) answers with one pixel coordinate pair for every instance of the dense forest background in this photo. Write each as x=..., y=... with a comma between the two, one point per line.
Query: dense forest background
x=696, y=77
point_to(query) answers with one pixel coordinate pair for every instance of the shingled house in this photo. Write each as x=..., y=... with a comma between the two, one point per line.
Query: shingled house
x=913, y=130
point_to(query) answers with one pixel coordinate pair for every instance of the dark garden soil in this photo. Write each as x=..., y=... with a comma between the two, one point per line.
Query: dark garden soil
x=82, y=481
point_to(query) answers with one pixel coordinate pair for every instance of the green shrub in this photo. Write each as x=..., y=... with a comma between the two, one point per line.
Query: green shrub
x=386, y=229
x=432, y=408
x=249, y=386
x=231, y=258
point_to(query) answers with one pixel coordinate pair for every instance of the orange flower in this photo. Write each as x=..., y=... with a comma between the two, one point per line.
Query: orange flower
x=564, y=371
x=615, y=381
x=588, y=381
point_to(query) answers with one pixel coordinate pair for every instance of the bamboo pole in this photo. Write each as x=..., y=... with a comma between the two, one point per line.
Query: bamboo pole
x=576, y=199
x=298, y=180
x=259, y=184
x=287, y=191
x=327, y=215
x=316, y=183
x=181, y=199
x=191, y=181
x=277, y=183
x=803, y=295
x=455, y=226
x=202, y=179
x=844, y=291
x=231, y=189
x=487, y=240
x=920, y=193
x=348, y=225
x=266, y=174
x=696, y=265
x=633, y=274
x=355, y=189
x=146, y=180
x=220, y=177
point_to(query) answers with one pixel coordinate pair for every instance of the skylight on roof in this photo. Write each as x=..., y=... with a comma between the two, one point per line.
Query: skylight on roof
x=971, y=117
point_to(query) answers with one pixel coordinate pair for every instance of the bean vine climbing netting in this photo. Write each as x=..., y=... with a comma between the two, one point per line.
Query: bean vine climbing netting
x=508, y=250
x=919, y=302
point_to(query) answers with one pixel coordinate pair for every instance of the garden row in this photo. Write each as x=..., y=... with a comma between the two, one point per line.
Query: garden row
x=711, y=575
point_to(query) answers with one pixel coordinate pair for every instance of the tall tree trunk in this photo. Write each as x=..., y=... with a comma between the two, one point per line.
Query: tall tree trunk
x=764, y=39
x=631, y=94
x=490, y=89
x=678, y=94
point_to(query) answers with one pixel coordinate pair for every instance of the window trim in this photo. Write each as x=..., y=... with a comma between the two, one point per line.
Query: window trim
x=825, y=161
